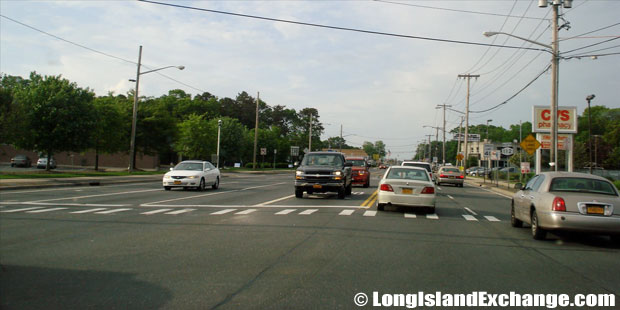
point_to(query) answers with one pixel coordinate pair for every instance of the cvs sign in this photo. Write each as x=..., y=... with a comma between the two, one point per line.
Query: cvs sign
x=567, y=119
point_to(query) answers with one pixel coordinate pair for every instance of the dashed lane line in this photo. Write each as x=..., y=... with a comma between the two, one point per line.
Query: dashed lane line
x=346, y=212
x=308, y=212
x=223, y=211
x=286, y=211
x=156, y=211
x=113, y=211
x=180, y=211
x=470, y=211
x=45, y=210
x=470, y=217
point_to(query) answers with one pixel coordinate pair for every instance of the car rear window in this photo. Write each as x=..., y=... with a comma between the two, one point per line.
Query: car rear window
x=582, y=185
x=425, y=166
x=455, y=170
x=407, y=174
x=357, y=162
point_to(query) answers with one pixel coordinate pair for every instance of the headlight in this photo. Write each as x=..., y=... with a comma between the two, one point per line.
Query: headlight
x=338, y=173
x=299, y=175
x=167, y=177
x=192, y=176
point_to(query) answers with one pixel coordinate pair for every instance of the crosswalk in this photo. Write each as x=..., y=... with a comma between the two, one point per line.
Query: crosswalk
x=303, y=211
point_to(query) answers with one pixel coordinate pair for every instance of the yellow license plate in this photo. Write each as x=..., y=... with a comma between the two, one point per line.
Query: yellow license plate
x=177, y=182
x=317, y=186
x=407, y=191
x=451, y=177
x=596, y=210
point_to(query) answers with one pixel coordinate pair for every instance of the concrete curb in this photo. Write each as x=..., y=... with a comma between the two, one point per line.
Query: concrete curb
x=492, y=187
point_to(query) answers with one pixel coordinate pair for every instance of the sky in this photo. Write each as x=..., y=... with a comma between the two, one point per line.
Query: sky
x=376, y=86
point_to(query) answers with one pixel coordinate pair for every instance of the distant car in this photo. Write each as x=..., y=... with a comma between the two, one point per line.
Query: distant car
x=449, y=175
x=196, y=174
x=360, y=173
x=421, y=164
x=407, y=186
x=567, y=201
x=510, y=169
x=42, y=163
x=21, y=161
x=383, y=166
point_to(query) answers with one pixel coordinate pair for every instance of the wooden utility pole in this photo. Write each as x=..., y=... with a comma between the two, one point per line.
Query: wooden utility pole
x=443, y=151
x=468, y=77
x=256, y=131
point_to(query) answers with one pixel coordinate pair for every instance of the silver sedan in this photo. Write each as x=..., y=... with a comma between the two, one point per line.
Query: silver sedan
x=406, y=186
x=568, y=201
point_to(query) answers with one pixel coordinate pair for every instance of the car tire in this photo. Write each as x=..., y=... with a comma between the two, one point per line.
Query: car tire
x=167, y=188
x=380, y=206
x=201, y=187
x=341, y=193
x=367, y=184
x=537, y=232
x=514, y=221
x=216, y=185
x=299, y=193
x=615, y=239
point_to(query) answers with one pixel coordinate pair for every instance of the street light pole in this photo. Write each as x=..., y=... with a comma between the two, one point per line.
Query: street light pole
x=219, y=129
x=588, y=99
x=489, y=120
x=443, y=154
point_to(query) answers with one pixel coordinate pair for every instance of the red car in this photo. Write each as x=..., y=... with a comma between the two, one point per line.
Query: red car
x=361, y=171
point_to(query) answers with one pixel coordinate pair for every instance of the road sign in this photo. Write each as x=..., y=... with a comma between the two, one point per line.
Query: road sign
x=495, y=155
x=375, y=156
x=507, y=144
x=460, y=156
x=508, y=151
x=530, y=144
x=294, y=150
x=263, y=151
x=525, y=167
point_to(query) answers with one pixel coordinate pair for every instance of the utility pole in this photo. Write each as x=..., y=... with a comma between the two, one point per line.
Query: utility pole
x=458, y=148
x=310, y=135
x=256, y=131
x=340, y=138
x=443, y=151
x=468, y=77
x=430, y=150
x=555, y=44
x=132, y=144
x=588, y=99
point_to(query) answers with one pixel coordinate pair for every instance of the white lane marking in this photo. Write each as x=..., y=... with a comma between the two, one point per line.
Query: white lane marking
x=492, y=219
x=223, y=211
x=45, y=210
x=113, y=211
x=439, y=188
x=308, y=212
x=432, y=216
x=180, y=211
x=470, y=211
x=469, y=217
x=155, y=211
x=150, y=204
x=410, y=216
x=88, y=211
x=492, y=192
x=450, y=197
x=98, y=195
x=285, y=212
x=346, y=212
x=275, y=200
x=19, y=210
x=70, y=204
x=245, y=206
x=370, y=213
x=248, y=211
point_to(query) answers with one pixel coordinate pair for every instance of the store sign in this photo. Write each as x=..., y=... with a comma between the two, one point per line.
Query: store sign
x=472, y=137
x=567, y=119
x=565, y=141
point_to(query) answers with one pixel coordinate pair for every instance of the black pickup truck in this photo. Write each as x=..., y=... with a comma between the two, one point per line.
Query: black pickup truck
x=322, y=172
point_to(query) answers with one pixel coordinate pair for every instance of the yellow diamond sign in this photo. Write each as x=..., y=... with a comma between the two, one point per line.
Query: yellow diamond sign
x=530, y=144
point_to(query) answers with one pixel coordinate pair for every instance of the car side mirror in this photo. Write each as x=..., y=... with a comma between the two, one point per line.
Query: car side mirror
x=519, y=186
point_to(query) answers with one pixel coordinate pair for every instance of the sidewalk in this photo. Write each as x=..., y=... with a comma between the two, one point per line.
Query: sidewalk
x=502, y=187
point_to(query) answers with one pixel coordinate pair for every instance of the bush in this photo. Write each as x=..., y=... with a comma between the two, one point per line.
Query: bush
x=617, y=184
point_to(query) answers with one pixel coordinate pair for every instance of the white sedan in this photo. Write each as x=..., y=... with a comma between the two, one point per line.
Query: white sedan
x=406, y=186
x=192, y=173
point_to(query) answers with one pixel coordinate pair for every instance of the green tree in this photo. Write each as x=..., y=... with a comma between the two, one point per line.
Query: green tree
x=55, y=115
x=106, y=134
x=197, y=138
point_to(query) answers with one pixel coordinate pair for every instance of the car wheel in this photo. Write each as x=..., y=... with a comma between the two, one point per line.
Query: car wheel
x=167, y=188
x=216, y=185
x=380, y=206
x=341, y=193
x=537, y=232
x=349, y=189
x=514, y=221
x=367, y=184
x=299, y=193
x=201, y=187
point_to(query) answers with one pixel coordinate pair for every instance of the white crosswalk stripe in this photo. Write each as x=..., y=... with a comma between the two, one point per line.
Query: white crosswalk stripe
x=45, y=210
x=113, y=211
x=370, y=213
x=19, y=210
x=308, y=212
x=346, y=212
x=410, y=216
x=492, y=219
x=155, y=211
x=180, y=211
x=286, y=211
x=223, y=211
x=470, y=217
x=88, y=211
x=432, y=216
x=248, y=211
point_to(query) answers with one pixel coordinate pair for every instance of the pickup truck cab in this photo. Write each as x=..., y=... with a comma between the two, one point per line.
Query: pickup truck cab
x=360, y=173
x=321, y=172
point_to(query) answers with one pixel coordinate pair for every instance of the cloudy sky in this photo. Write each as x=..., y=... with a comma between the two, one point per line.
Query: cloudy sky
x=377, y=86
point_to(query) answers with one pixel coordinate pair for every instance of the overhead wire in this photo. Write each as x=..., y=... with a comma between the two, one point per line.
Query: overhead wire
x=589, y=32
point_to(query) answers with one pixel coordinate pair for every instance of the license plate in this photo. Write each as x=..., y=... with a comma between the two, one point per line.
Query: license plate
x=407, y=191
x=596, y=210
x=317, y=186
x=177, y=182
x=451, y=177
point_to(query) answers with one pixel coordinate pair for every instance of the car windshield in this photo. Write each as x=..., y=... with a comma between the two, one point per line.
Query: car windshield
x=451, y=170
x=322, y=160
x=425, y=166
x=582, y=185
x=407, y=174
x=357, y=162
x=189, y=166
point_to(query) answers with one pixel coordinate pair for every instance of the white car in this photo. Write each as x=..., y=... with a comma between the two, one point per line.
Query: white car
x=42, y=163
x=192, y=173
x=406, y=186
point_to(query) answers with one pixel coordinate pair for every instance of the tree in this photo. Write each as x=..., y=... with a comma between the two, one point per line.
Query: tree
x=55, y=115
x=106, y=134
x=197, y=137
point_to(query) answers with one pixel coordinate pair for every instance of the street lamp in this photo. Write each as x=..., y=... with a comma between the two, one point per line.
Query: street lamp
x=555, y=51
x=588, y=99
x=132, y=145
x=219, y=128
x=489, y=120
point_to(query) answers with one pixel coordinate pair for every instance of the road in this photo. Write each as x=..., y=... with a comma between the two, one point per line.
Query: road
x=252, y=245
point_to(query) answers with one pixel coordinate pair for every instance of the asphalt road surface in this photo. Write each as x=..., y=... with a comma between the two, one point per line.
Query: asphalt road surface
x=252, y=245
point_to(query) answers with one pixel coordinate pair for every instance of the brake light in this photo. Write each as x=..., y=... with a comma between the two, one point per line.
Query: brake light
x=442, y=176
x=558, y=204
x=428, y=190
x=386, y=188
x=461, y=177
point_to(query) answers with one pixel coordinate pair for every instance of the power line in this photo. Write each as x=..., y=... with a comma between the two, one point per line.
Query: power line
x=594, y=44
x=589, y=32
x=455, y=10
x=336, y=27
